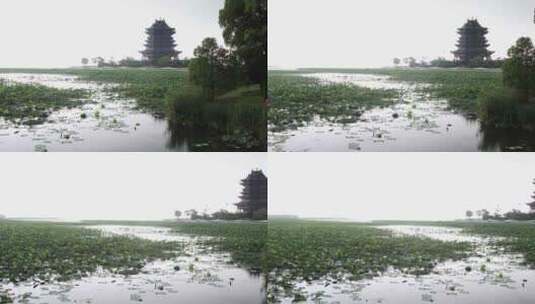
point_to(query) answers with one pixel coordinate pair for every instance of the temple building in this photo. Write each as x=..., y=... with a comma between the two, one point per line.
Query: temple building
x=160, y=42
x=472, y=44
x=253, y=199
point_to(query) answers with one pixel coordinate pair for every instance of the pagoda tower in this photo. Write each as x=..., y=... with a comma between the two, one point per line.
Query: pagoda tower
x=472, y=43
x=532, y=204
x=254, y=194
x=160, y=42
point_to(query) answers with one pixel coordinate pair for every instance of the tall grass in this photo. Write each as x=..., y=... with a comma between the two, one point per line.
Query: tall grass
x=235, y=126
x=502, y=109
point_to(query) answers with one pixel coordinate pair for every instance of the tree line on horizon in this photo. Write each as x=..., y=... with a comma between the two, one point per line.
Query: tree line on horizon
x=515, y=214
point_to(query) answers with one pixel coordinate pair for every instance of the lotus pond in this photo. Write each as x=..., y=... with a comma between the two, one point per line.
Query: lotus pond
x=386, y=110
x=123, y=263
x=124, y=110
x=336, y=262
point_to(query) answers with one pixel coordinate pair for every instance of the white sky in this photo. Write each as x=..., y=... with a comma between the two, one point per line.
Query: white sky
x=404, y=186
x=138, y=186
x=58, y=33
x=370, y=33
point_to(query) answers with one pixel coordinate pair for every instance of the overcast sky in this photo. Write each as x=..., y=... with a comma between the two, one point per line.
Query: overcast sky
x=404, y=186
x=58, y=33
x=370, y=33
x=121, y=186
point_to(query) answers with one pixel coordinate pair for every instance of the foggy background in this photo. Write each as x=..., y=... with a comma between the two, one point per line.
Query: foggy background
x=370, y=33
x=398, y=186
x=121, y=186
x=59, y=33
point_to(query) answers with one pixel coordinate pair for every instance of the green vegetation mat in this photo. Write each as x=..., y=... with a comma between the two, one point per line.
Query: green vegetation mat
x=32, y=104
x=300, y=250
x=246, y=241
x=49, y=252
x=519, y=236
x=297, y=100
x=460, y=87
x=150, y=86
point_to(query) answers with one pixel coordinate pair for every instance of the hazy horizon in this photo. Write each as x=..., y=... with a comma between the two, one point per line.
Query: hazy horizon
x=59, y=33
x=398, y=186
x=360, y=34
x=122, y=186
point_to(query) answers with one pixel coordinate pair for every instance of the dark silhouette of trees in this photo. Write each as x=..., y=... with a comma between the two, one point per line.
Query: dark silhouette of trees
x=244, y=24
x=519, y=68
x=469, y=214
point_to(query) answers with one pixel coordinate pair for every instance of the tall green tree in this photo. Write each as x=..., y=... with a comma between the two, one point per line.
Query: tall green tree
x=214, y=68
x=519, y=68
x=244, y=24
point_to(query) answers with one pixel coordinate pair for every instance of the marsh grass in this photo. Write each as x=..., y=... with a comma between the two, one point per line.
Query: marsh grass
x=32, y=104
x=297, y=100
x=246, y=241
x=50, y=252
x=519, y=236
x=300, y=250
x=460, y=87
x=230, y=126
x=502, y=109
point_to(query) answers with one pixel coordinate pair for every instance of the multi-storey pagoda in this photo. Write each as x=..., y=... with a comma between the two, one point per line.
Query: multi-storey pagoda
x=253, y=198
x=160, y=42
x=532, y=204
x=472, y=44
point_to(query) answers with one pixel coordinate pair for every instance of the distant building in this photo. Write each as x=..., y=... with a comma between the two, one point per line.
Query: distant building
x=254, y=196
x=532, y=204
x=472, y=44
x=160, y=42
